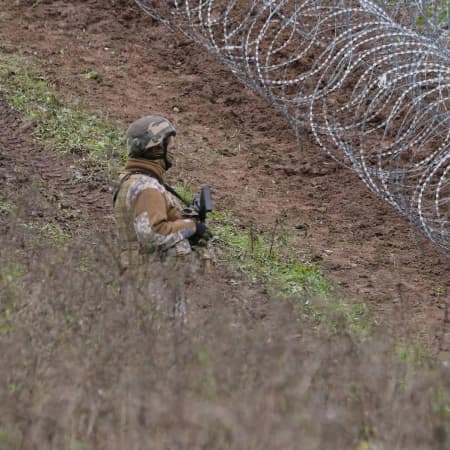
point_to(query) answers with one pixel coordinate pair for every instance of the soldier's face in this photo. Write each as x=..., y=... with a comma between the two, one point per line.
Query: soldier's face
x=171, y=145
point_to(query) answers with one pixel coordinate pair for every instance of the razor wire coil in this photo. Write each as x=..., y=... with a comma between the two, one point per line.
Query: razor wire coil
x=371, y=80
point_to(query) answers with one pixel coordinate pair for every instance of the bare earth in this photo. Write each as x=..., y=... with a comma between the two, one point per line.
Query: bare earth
x=231, y=139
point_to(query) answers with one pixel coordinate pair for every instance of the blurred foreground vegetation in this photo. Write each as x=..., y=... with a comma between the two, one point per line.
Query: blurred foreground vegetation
x=94, y=358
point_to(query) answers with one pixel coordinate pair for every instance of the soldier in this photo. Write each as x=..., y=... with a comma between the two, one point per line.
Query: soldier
x=149, y=217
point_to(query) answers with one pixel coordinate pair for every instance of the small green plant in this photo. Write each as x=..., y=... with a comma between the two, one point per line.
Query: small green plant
x=48, y=232
x=11, y=289
x=411, y=354
x=14, y=388
x=6, y=205
x=435, y=12
x=220, y=216
x=185, y=191
x=6, y=326
x=90, y=75
x=344, y=317
x=440, y=291
x=11, y=274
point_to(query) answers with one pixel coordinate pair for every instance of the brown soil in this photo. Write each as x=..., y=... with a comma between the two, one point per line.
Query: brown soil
x=46, y=187
x=233, y=140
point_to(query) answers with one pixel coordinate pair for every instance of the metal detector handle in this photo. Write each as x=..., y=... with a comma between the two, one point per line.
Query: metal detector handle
x=205, y=202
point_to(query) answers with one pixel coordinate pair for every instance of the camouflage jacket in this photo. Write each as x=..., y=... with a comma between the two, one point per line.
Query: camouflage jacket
x=149, y=218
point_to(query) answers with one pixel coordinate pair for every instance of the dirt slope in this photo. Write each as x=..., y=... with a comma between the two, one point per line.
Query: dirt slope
x=236, y=142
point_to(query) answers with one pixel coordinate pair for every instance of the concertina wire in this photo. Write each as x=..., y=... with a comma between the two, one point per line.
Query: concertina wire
x=371, y=80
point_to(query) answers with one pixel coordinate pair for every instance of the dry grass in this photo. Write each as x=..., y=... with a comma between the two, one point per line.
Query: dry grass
x=92, y=359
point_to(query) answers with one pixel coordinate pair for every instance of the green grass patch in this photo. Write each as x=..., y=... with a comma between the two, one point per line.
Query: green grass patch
x=11, y=288
x=11, y=274
x=59, y=124
x=435, y=12
x=262, y=258
x=48, y=232
x=185, y=191
x=259, y=257
x=7, y=206
x=91, y=75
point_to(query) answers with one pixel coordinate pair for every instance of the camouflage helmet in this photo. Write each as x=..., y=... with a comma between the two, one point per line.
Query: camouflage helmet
x=147, y=137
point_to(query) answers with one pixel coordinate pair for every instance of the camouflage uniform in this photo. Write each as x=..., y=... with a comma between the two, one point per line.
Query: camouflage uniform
x=149, y=218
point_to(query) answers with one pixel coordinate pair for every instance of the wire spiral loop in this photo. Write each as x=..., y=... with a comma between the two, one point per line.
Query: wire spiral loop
x=371, y=80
